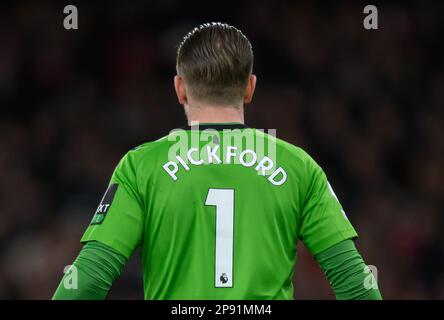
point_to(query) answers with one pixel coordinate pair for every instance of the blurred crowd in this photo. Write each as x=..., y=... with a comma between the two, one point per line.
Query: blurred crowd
x=367, y=105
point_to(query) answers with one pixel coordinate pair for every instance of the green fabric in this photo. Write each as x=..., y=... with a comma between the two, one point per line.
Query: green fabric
x=347, y=273
x=98, y=265
x=217, y=228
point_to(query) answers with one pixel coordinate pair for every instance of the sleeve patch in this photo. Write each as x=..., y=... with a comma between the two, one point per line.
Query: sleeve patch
x=105, y=203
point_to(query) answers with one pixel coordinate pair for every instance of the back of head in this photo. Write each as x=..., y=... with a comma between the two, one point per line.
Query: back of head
x=215, y=61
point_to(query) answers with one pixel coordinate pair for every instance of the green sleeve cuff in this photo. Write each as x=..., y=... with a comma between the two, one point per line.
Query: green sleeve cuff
x=347, y=273
x=92, y=273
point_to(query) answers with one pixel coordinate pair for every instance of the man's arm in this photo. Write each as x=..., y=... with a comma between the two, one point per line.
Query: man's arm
x=344, y=268
x=114, y=233
x=98, y=266
x=327, y=233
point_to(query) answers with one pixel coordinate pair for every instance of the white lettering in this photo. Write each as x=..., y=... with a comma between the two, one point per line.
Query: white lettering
x=261, y=165
x=183, y=163
x=274, y=174
x=230, y=154
x=171, y=171
x=244, y=162
x=212, y=154
x=197, y=163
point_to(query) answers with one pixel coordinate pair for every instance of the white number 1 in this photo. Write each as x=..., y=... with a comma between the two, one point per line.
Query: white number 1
x=223, y=199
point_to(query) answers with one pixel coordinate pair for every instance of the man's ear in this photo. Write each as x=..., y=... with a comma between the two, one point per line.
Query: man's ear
x=181, y=92
x=249, y=92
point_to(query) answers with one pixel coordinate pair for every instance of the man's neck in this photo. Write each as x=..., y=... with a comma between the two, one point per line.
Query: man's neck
x=215, y=114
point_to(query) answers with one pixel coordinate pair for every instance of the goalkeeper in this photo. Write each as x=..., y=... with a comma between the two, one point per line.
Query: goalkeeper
x=225, y=227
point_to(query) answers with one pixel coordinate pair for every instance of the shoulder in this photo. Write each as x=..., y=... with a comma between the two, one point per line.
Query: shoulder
x=289, y=152
x=137, y=156
x=147, y=149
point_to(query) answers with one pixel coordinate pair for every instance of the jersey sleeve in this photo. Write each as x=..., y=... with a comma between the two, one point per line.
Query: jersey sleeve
x=323, y=221
x=118, y=221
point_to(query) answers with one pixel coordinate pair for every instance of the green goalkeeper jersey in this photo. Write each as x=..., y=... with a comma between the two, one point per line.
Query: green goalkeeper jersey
x=217, y=211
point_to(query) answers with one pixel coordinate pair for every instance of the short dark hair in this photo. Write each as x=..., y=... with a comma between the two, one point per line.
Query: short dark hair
x=215, y=59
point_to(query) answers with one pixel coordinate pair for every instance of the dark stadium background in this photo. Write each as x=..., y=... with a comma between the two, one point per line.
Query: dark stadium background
x=367, y=105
